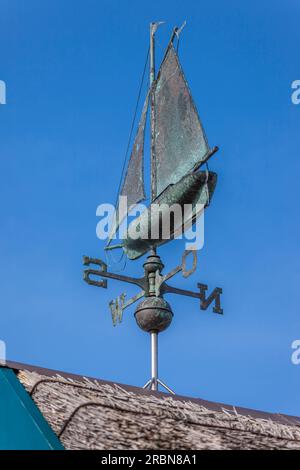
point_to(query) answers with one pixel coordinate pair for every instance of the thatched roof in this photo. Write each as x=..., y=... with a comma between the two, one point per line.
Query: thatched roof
x=92, y=414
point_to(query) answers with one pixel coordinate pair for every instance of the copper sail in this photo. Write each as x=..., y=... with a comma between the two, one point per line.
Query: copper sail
x=178, y=147
x=133, y=186
x=180, y=141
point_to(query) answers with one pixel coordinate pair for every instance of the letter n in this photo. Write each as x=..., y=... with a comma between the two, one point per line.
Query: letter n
x=215, y=296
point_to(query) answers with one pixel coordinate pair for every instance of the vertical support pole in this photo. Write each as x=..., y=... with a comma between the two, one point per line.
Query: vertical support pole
x=153, y=27
x=154, y=361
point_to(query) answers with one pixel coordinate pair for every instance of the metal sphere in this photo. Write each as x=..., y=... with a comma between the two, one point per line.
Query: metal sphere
x=153, y=314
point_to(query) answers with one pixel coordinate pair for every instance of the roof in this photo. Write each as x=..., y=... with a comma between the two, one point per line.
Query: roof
x=88, y=413
x=22, y=425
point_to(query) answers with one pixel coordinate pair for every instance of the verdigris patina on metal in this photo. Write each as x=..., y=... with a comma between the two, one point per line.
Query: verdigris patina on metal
x=153, y=314
x=195, y=189
x=180, y=140
x=179, y=147
x=153, y=285
x=178, y=150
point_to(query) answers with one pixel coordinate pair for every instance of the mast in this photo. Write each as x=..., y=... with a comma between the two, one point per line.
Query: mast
x=153, y=28
x=154, y=334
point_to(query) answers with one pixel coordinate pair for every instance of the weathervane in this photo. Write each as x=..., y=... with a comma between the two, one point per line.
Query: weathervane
x=179, y=148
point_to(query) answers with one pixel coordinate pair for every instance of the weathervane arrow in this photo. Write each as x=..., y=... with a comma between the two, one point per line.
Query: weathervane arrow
x=151, y=285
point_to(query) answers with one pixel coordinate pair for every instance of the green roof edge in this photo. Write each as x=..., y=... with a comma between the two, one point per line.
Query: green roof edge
x=37, y=425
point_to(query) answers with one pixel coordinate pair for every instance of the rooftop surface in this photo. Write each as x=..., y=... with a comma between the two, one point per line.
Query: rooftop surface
x=88, y=413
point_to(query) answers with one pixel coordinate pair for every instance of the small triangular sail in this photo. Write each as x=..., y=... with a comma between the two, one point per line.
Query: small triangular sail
x=180, y=141
x=134, y=186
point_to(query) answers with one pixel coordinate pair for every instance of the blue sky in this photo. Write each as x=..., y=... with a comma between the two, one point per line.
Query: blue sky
x=72, y=71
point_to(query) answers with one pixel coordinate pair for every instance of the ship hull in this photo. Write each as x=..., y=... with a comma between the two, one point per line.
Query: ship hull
x=195, y=189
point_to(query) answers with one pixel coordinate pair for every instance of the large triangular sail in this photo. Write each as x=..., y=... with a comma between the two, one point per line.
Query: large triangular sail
x=133, y=186
x=179, y=142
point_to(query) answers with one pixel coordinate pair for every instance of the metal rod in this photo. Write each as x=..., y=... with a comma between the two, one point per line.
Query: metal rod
x=209, y=154
x=174, y=32
x=153, y=27
x=113, y=247
x=166, y=386
x=175, y=290
x=147, y=384
x=154, y=361
x=118, y=277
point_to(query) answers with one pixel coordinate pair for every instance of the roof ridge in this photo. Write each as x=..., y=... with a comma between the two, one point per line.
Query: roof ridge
x=191, y=413
x=214, y=406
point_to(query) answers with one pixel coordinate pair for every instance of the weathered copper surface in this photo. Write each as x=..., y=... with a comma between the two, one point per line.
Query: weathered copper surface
x=180, y=141
x=133, y=187
x=194, y=188
x=179, y=195
x=153, y=284
x=153, y=314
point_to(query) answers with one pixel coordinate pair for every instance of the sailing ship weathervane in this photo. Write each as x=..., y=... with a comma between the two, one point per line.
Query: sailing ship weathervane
x=178, y=150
